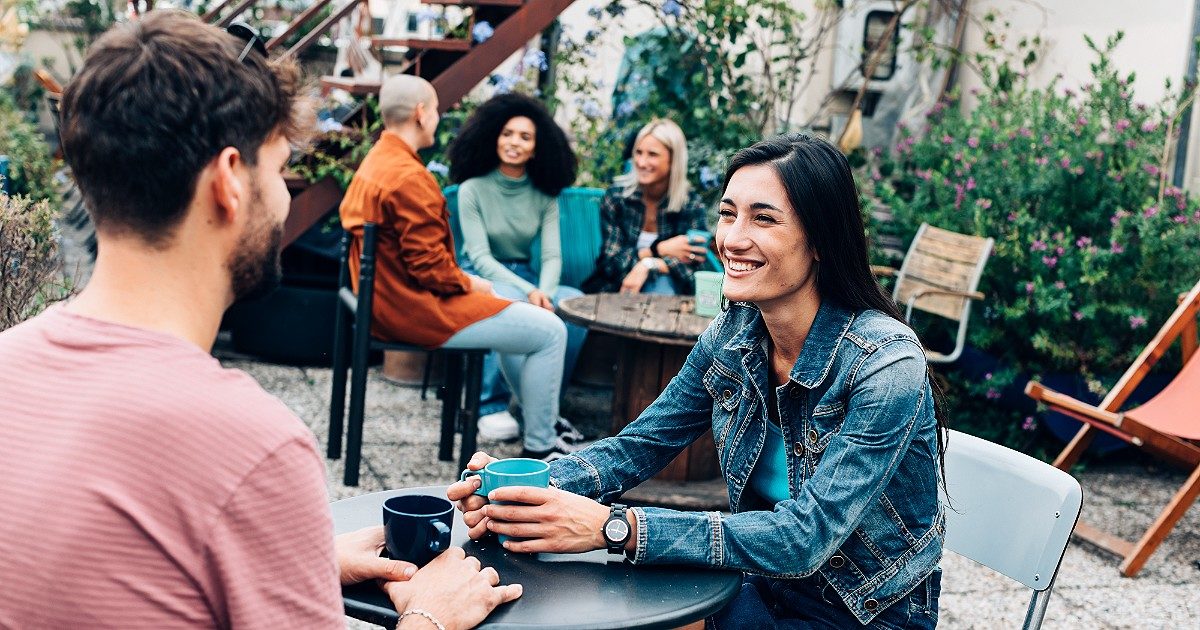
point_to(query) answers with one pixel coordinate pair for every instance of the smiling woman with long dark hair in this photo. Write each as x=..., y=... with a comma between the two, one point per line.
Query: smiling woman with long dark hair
x=512, y=160
x=824, y=418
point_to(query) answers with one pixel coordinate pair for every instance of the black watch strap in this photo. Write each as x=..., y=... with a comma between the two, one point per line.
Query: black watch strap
x=616, y=529
x=654, y=247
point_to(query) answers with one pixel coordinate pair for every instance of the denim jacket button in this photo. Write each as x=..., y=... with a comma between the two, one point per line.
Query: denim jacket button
x=870, y=604
x=813, y=436
x=837, y=561
x=795, y=392
x=798, y=449
x=726, y=395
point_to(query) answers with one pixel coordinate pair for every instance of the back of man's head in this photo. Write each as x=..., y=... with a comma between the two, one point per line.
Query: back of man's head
x=156, y=100
x=399, y=96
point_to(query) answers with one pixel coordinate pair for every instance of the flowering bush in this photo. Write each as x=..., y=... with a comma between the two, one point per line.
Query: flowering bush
x=30, y=268
x=1092, y=242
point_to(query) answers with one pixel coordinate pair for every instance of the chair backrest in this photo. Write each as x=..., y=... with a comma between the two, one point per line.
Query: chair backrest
x=1008, y=511
x=941, y=259
x=578, y=227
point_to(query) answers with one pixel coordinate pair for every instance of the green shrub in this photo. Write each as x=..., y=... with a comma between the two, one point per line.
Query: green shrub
x=30, y=167
x=30, y=268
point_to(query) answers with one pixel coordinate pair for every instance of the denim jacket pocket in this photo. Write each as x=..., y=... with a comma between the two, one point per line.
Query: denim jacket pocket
x=725, y=387
x=824, y=424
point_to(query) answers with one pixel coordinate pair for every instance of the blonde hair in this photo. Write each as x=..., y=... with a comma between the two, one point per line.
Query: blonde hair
x=400, y=95
x=672, y=137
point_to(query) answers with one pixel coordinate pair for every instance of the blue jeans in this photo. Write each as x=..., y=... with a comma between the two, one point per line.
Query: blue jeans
x=531, y=342
x=659, y=284
x=810, y=603
x=495, y=394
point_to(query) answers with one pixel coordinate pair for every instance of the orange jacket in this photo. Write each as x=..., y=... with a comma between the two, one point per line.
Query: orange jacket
x=421, y=294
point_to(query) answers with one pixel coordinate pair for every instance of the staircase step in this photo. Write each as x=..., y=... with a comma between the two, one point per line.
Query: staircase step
x=357, y=87
x=477, y=3
x=455, y=45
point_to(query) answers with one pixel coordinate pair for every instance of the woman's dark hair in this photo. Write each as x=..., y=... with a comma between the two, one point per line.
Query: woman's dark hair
x=473, y=152
x=821, y=188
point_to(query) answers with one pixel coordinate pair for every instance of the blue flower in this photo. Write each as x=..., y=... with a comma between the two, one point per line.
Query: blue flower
x=625, y=108
x=595, y=12
x=672, y=8
x=482, y=32
x=504, y=84
x=708, y=177
x=535, y=59
x=591, y=108
x=438, y=168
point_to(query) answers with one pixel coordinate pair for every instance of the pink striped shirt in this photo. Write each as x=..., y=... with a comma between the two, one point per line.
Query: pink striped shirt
x=142, y=485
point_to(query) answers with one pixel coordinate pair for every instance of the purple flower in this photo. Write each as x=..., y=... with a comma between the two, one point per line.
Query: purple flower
x=1151, y=169
x=1012, y=217
x=1179, y=218
x=1065, y=162
x=983, y=204
x=1123, y=124
x=1136, y=321
x=946, y=139
x=1172, y=191
x=1059, y=250
x=1029, y=288
x=1025, y=132
x=959, y=193
x=1149, y=126
x=1038, y=246
x=672, y=8
x=1041, y=161
x=1083, y=241
x=987, y=377
x=482, y=32
x=1060, y=285
x=1116, y=248
x=973, y=143
x=992, y=394
x=1130, y=144
x=1077, y=315
x=1029, y=424
x=1081, y=121
x=1050, y=261
x=1150, y=212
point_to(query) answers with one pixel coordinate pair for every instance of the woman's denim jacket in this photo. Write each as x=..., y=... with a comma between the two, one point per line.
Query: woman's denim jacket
x=862, y=461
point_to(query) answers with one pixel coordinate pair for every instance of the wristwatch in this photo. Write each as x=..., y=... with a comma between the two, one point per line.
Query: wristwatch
x=650, y=263
x=616, y=529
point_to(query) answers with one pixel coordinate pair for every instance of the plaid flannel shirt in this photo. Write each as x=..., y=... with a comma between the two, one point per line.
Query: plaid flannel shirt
x=621, y=223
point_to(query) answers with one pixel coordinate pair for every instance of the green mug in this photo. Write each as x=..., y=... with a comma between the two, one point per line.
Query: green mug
x=708, y=293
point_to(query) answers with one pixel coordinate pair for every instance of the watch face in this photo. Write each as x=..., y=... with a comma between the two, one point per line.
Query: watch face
x=616, y=530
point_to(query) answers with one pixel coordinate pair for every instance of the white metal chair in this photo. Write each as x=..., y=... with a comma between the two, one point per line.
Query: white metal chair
x=1009, y=512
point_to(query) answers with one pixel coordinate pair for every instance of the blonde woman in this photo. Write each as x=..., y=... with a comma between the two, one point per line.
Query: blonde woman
x=645, y=217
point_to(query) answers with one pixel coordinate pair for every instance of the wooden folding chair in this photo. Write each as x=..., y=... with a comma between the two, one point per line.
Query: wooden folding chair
x=940, y=275
x=1167, y=426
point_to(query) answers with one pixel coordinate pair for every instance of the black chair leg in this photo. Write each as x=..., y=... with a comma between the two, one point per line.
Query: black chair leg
x=337, y=395
x=358, y=395
x=470, y=409
x=425, y=377
x=451, y=395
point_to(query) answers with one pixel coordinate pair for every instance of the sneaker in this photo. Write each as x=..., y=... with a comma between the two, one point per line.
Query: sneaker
x=567, y=431
x=499, y=427
x=559, y=450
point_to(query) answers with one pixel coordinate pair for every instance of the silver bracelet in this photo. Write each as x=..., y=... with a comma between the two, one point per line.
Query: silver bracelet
x=421, y=613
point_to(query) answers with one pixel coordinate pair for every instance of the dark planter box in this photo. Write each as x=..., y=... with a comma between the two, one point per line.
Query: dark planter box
x=293, y=325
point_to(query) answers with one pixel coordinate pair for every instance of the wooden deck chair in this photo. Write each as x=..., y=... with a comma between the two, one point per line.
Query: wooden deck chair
x=1167, y=426
x=940, y=275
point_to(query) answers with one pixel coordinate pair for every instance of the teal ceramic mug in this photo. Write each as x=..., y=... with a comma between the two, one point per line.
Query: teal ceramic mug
x=517, y=471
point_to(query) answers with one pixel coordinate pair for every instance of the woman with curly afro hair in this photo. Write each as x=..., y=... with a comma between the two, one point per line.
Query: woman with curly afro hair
x=512, y=160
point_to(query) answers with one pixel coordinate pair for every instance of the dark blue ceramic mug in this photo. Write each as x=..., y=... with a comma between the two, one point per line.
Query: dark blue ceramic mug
x=417, y=527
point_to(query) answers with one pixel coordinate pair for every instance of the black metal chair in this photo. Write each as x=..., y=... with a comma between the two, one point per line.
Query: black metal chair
x=352, y=338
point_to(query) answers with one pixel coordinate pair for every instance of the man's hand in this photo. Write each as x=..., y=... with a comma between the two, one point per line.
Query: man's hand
x=679, y=248
x=635, y=279
x=537, y=298
x=359, y=561
x=454, y=589
x=468, y=502
x=551, y=520
x=479, y=285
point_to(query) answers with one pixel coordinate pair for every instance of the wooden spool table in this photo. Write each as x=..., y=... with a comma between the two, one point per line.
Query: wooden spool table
x=657, y=333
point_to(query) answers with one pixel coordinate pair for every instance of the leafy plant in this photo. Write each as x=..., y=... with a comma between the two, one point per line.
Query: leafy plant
x=30, y=269
x=30, y=168
x=1093, y=244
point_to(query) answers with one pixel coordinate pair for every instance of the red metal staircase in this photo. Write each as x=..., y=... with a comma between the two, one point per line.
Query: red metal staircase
x=454, y=65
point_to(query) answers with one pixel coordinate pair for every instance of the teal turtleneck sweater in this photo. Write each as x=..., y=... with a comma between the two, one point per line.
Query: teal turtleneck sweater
x=501, y=217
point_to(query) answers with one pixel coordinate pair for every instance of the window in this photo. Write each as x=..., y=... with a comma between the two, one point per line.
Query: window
x=874, y=29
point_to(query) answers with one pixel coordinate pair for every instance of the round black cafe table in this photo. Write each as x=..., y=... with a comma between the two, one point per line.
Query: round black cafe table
x=588, y=590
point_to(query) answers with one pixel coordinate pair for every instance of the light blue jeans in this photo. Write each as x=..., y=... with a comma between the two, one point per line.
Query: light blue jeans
x=495, y=394
x=659, y=284
x=531, y=342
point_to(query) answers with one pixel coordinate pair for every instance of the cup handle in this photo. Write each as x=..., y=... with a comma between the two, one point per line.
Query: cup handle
x=474, y=473
x=442, y=542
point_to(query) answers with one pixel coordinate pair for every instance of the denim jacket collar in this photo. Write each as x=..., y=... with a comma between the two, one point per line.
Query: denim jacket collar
x=820, y=347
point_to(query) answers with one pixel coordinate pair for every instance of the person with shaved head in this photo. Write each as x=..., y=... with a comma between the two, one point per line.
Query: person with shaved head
x=422, y=296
